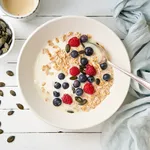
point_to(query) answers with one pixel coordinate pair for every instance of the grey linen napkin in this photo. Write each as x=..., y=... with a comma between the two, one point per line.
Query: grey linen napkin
x=129, y=128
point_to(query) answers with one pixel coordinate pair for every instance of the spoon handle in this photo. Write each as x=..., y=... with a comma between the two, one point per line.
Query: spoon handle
x=134, y=77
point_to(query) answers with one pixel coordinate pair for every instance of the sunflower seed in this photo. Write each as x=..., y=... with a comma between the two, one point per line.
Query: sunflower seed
x=10, y=113
x=84, y=101
x=11, y=139
x=13, y=93
x=1, y=93
x=73, y=78
x=10, y=73
x=67, y=48
x=20, y=106
x=2, y=84
x=1, y=131
x=70, y=111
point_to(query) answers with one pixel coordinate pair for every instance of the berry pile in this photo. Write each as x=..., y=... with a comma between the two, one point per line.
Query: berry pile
x=83, y=75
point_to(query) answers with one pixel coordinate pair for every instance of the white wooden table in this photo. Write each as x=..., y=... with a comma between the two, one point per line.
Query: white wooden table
x=30, y=132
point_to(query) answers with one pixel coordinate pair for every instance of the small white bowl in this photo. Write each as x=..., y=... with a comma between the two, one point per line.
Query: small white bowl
x=47, y=111
x=23, y=17
x=13, y=38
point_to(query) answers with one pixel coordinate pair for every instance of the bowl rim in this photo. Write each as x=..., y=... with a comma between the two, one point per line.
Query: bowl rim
x=23, y=16
x=18, y=68
x=13, y=38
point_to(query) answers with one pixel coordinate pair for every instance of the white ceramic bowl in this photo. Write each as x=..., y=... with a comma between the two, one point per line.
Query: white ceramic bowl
x=55, y=28
x=22, y=17
x=13, y=38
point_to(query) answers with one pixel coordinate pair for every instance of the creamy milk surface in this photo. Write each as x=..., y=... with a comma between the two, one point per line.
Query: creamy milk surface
x=19, y=7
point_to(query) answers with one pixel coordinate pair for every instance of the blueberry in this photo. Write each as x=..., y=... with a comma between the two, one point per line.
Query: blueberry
x=103, y=66
x=56, y=94
x=84, y=38
x=88, y=51
x=57, y=85
x=106, y=77
x=91, y=79
x=65, y=85
x=79, y=91
x=74, y=54
x=82, y=78
x=76, y=83
x=84, y=61
x=57, y=102
x=61, y=76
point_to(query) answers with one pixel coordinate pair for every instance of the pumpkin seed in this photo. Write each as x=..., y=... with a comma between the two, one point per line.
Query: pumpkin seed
x=2, y=41
x=4, y=50
x=10, y=113
x=84, y=101
x=6, y=45
x=73, y=89
x=11, y=139
x=1, y=52
x=1, y=93
x=81, y=52
x=1, y=131
x=10, y=73
x=70, y=111
x=73, y=78
x=2, y=84
x=78, y=99
x=97, y=81
x=13, y=93
x=20, y=106
x=67, y=48
x=8, y=31
x=3, y=25
x=82, y=44
x=82, y=69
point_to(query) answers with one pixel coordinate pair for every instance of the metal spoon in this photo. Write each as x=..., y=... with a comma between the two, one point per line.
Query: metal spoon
x=141, y=81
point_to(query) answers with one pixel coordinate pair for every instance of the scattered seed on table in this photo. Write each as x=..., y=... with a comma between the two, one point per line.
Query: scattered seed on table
x=20, y=106
x=13, y=93
x=2, y=84
x=1, y=93
x=9, y=73
x=70, y=111
x=1, y=131
x=10, y=113
x=11, y=139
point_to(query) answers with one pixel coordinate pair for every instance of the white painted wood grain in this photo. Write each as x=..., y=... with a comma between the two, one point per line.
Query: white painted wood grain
x=24, y=29
x=26, y=121
x=76, y=7
x=52, y=141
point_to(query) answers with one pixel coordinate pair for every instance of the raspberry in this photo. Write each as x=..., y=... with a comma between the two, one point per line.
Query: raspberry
x=67, y=99
x=74, y=71
x=74, y=42
x=90, y=70
x=89, y=88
